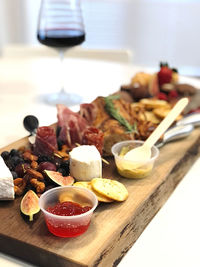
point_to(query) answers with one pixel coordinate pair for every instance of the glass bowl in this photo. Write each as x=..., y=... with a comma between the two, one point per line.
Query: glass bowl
x=68, y=226
x=133, y=168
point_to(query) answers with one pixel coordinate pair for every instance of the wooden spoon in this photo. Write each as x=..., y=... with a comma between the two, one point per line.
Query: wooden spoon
x=143, y=153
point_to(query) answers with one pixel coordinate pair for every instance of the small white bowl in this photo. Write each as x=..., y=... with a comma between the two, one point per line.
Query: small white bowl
x=68, y=226
x=133, y=168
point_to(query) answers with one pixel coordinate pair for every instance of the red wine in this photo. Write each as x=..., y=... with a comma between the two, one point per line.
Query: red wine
x=60, y=37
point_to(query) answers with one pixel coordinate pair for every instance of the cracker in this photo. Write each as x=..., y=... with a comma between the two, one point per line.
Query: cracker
x=154, y=103
x=83, y=184
x=163, y=112
x=100, y=196
x=150, y=116
x=110, y=188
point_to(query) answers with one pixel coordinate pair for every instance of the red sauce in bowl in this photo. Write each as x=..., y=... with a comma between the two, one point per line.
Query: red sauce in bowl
x=67, y=208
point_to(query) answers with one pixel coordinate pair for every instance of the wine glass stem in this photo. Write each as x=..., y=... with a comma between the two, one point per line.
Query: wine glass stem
x=62, y=55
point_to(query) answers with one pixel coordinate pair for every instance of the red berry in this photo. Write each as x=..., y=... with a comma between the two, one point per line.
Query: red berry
x=162, y=96
x=173, y=94
x=164, y=75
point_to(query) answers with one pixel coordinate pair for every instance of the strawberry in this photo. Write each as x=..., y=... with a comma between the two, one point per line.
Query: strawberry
x=165, y=74
x=173, y=94
x=162, y=96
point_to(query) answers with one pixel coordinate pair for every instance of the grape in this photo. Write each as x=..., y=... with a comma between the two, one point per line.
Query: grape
x=5, y=155
x=20, y=169
x=14, y=152
x=63, y=171
x=42, y=158
x=15, y=160
x=46, y=166
x=65, y=165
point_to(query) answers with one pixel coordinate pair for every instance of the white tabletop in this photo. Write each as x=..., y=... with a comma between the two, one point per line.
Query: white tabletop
x=171, y=238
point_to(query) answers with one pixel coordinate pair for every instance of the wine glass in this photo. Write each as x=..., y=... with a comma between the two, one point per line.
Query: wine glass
x=60, y=26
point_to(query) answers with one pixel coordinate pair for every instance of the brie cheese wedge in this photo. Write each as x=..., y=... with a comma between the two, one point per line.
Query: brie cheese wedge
x=6, y=182
x=85, y=163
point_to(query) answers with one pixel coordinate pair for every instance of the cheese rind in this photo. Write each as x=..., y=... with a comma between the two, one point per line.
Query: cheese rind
x=6, y=182
x=85, y=163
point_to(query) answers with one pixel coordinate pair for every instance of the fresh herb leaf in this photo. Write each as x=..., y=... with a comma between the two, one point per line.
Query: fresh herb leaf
x=110, y=108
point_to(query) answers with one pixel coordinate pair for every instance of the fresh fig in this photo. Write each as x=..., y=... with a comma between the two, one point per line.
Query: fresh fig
x=57, y=178
x=30, y=204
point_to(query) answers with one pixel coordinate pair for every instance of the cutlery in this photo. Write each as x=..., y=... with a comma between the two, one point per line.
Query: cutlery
x=190, y=119
x=175, y=133
x=31, y=124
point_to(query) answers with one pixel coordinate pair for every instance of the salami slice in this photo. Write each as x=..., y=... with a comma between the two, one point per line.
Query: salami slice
x=93, y=136
x=46, y=142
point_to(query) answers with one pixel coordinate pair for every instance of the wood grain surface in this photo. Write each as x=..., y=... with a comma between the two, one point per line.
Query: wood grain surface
x=114, y=227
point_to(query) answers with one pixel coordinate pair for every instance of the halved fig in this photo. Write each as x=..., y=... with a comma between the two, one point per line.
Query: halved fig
x=59, y=179
x=30, y=204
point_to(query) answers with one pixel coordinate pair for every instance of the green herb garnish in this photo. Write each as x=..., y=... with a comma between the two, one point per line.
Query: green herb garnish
x=112, y=111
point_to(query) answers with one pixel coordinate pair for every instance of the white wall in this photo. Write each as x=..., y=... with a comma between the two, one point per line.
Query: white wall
x=154, y=29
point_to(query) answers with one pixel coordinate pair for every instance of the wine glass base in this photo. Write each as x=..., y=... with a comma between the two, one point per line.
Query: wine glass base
x=67, y=99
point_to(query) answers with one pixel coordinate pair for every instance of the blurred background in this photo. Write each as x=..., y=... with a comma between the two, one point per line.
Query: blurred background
x=153, y=30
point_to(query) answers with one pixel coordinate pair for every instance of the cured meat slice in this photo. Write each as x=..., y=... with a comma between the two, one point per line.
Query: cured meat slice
x=93, y=136
x=46, y=142
x=72, y=125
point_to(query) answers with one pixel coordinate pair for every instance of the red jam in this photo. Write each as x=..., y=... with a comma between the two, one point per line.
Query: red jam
x=67, y=208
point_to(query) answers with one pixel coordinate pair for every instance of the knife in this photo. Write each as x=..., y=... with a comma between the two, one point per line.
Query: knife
x=175, y=133
x=193, y=119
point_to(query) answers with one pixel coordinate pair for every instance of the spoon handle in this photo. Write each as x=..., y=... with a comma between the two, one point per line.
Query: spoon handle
x=166, y=122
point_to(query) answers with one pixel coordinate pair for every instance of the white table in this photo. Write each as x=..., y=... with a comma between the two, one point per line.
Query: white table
x=172, y=237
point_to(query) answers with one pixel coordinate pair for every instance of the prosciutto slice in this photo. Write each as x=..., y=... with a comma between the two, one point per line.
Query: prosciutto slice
x=72, y=125
x=46, y=142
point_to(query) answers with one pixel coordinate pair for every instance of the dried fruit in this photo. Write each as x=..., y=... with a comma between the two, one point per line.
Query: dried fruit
x=34, y=165
x=30, y=204
x=28, y=156
x=39, y=186
x=57, y=178
x=21, y=169
x=19, y=186
x=35, y=174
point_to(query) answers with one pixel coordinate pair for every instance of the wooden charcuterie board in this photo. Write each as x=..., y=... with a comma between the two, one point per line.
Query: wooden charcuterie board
x=114, y=227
